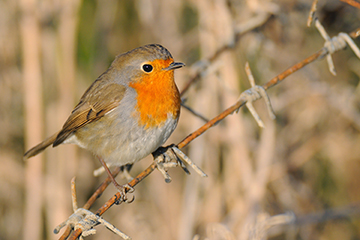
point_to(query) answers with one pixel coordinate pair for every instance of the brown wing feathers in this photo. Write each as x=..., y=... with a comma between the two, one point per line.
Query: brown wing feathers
x=91, y=109
x=94, y=104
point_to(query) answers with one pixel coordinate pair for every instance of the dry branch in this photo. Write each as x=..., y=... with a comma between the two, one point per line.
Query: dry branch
x=352, y=3
x=241, y=102
x=239, y=31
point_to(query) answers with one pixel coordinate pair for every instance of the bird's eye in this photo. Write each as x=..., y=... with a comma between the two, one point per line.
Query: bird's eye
x=147, y=68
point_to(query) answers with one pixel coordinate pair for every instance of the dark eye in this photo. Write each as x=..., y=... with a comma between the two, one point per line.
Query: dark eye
x=147, y=68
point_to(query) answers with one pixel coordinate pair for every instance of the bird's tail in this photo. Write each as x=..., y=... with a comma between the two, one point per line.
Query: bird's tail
x=40, y=147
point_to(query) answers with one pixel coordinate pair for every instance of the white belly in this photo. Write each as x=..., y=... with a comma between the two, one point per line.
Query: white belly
x=122, y=141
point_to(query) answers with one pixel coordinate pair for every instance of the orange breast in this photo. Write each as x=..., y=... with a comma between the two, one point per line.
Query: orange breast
x=157, y=95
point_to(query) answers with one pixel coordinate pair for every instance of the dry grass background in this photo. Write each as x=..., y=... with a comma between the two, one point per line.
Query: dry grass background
x=306, y=161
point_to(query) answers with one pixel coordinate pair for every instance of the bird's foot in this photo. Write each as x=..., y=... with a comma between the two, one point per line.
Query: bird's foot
x=123, y=189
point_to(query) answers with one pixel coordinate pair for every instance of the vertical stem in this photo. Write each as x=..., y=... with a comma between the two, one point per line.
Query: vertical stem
x=66, y=69
x=33, y=107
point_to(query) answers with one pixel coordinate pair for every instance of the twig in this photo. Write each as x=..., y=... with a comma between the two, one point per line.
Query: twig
x=239, y=31
x=318, y=55
x=91, y=200
x=66, y=234
x=115, y=199
x=194, y=112
x=312, y=13
x=100, y=189
x=254, y=93
x=265, y=222
x=335, y=44
x=186, y=159
x=241, y=102
x=208, y=61
x=73, y=194
x=86, y=221
x=352, y=3
x=355, y=34
x=274, y=81
x=329, y=214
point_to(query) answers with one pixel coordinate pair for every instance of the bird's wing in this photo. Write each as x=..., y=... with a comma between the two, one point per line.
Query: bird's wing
x=98, y=100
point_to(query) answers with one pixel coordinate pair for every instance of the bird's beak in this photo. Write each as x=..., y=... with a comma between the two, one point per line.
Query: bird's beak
x=174, y=65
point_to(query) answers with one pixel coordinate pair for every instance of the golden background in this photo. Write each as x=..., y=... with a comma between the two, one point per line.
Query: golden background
x=305, y=162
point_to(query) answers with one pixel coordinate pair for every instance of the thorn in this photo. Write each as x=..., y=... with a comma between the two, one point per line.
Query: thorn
x=73, y=194
x=254, y=93
x=335, y=44
x=86, y=221
x=171, y=156
x=186, y=159
x=312, y=13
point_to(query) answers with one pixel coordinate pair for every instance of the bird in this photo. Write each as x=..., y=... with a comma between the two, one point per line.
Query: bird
x=127, y=113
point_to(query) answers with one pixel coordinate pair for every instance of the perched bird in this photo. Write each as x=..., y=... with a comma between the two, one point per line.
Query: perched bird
x=128, y=112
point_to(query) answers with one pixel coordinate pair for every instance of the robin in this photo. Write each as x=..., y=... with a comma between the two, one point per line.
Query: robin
x=127, y=113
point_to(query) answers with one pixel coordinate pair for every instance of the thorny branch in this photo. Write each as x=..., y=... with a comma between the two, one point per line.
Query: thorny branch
x=85, y=220
x=352, y=3
x=312, y=13
x=241, y=102
x=239, y=31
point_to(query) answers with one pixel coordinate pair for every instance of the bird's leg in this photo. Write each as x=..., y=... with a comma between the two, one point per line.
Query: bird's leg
x=123, y=189
x=125, y=171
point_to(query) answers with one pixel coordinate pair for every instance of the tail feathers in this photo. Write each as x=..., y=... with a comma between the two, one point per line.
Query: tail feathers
x=40, y=147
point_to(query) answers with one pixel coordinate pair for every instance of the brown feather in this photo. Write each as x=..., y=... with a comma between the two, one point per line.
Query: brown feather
x=40, y=147
x=91, y=107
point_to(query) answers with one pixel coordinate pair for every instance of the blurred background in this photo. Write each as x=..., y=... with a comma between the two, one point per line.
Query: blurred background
x=305, y=162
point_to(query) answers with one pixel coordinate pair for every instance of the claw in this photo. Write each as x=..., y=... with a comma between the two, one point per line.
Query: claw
x=162, y=161
x=124, y=190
